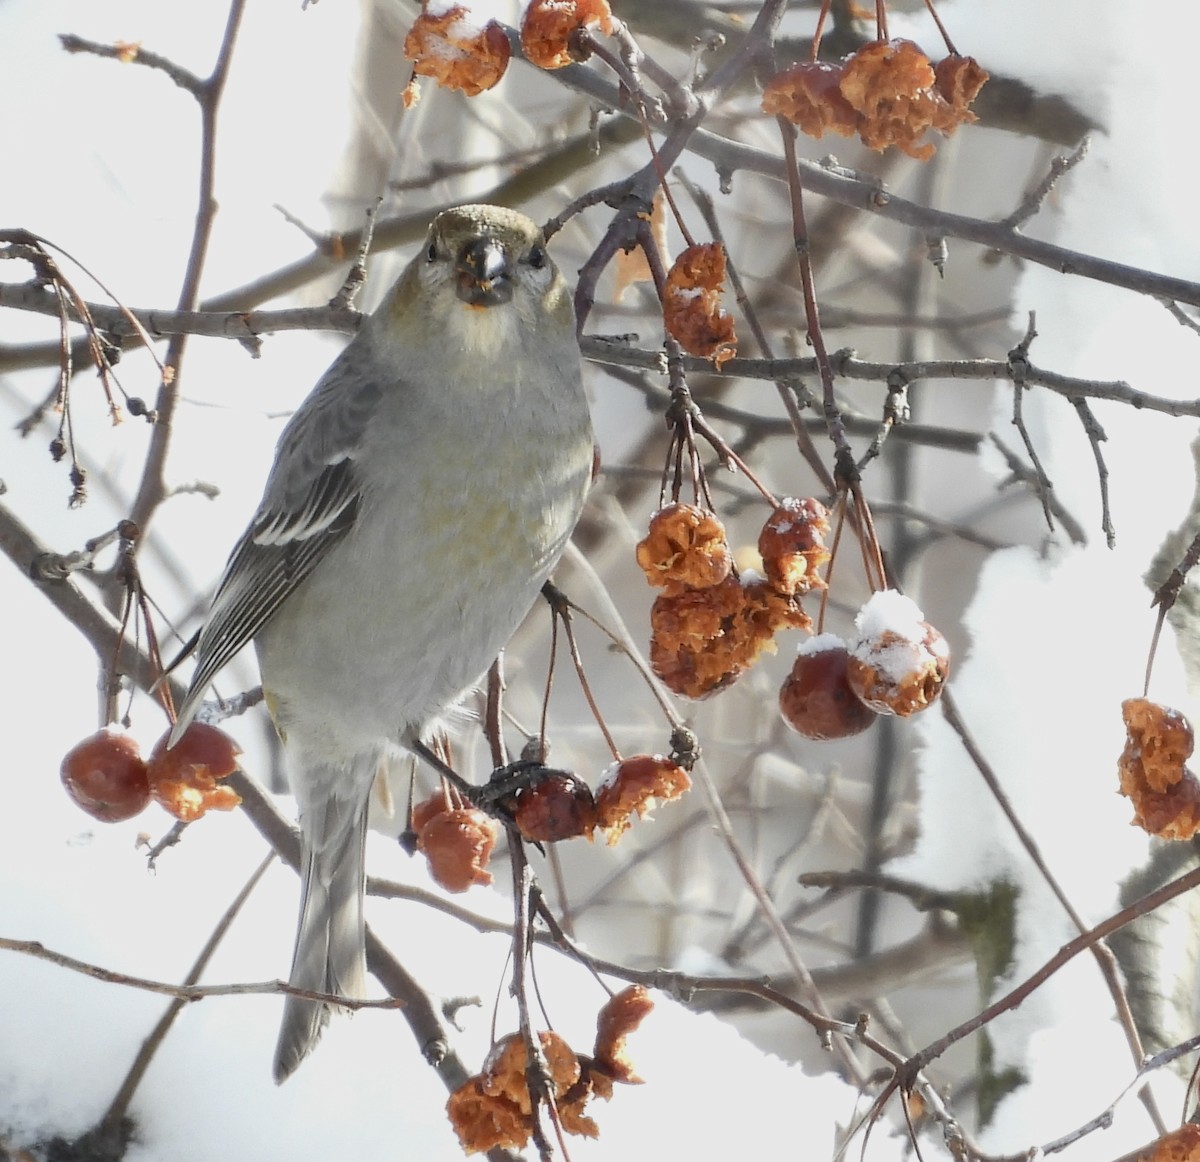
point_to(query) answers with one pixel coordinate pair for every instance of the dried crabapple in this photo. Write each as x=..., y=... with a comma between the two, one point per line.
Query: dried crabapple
x=695, y=671
x=703, y=640
x=685, y=547
x=484, y=1122
x=792, y=545
x=692, y=616
x=958, y=80
x=558, y=806
x=456, y=840
x=890, y=85
x=1153, y=775
x=494, y=1107
x=695, y=638
x=184, y=778
x=572, y=1103
x=105, y=775
x=692, y=310
x=764, y=612
x=619, y=1017
x=1181, y=1145
x=455, y=51
x=1162, y=739
x=810, y=97
x=816, y=700
x=898, y=662
x=548, y=24
x=503, y=1072
x=883, y=74
x=634, y=786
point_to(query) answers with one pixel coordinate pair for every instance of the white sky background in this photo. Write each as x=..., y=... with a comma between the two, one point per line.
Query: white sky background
x=101, y=158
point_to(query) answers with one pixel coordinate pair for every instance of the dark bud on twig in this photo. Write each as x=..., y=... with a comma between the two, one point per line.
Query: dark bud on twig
x=110, y=348
x=685, y=748
x=938, y=253
x=579, y=44
x=78, y=478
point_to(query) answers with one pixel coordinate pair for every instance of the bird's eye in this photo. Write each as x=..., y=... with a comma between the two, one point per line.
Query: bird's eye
x=432, y=253
x=537, y=257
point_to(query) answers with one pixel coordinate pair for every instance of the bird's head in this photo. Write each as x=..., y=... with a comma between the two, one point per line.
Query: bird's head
x=482, y=271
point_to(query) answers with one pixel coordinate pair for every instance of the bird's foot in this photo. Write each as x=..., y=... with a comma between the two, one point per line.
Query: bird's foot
x=507, y=780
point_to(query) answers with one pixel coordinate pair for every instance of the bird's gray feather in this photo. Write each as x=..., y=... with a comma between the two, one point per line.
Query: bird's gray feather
x=310, y=503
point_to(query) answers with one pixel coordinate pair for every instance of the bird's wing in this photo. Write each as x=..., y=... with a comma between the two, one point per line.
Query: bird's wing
x=310, y=503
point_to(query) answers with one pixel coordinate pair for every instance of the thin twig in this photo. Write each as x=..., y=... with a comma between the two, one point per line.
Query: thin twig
x=152, y=488
x=1018, y=360
x=1059, y=167
x=243, y=326
x=128, y=53
x=1029, y=476
x=1181, y=316
x=1096, y=435
x=1105, y=960
x=845, y=470
x=804, y=442
x=119, y=1106
x=183, y=992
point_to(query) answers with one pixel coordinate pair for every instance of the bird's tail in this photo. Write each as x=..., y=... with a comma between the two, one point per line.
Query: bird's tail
x=330, y=940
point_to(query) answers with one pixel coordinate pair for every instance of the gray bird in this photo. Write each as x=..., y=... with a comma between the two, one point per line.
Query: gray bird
x=419, y=498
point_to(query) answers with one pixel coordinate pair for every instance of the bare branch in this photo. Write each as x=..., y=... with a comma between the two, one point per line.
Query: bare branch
x=1059, y=168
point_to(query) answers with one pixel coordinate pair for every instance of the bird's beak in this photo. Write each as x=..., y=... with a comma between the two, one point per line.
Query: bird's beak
x=484, y=273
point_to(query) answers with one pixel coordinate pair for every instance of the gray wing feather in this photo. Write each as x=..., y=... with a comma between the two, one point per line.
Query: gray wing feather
x=310, y=503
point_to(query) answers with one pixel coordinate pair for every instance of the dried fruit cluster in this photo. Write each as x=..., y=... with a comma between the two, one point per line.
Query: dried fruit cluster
x=692, y=310
x=886, y=93
x=1153, y=774
x=106, y=775
x=709, y=626
x=897, y=663
x=448, y=43
x=495, y=1109
x=457, y=838
x=562, y=806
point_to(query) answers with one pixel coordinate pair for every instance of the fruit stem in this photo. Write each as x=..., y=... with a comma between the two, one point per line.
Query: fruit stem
x=822, y=16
